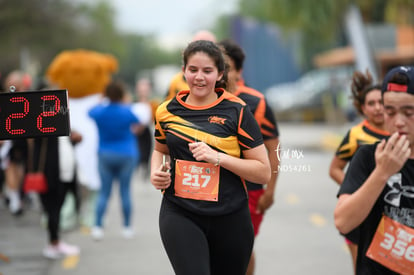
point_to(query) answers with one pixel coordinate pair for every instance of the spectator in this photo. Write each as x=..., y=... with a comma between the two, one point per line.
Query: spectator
x=117, y=154
x=60, y=172
x=14, y=152
x=144, y=110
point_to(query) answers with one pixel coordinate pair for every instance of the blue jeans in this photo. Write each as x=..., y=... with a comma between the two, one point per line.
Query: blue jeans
x=112, y=167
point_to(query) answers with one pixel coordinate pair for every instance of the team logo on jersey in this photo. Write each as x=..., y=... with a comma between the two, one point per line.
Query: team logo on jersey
x=216, y=119
x=393, y=197
x=196, y=169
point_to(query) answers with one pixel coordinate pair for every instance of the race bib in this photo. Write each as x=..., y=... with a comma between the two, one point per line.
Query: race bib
x=393, y=246
x=196, y=180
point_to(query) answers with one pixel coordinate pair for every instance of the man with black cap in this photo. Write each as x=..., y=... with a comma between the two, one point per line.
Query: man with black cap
x=377, y=195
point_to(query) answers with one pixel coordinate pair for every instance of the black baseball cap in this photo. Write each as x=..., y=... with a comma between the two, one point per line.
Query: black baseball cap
x=388, y=86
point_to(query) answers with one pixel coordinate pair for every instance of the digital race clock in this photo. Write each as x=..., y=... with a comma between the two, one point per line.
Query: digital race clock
x=34, y=114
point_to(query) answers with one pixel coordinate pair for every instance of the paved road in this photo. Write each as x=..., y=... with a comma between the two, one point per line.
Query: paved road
x=297, y=234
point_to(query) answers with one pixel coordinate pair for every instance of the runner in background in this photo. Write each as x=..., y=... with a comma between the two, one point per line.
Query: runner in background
x=261, y=197
x=376, y=196
x=368, y=103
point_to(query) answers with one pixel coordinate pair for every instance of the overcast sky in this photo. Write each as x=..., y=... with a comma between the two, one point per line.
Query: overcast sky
x=169, y=16
x=170, y=19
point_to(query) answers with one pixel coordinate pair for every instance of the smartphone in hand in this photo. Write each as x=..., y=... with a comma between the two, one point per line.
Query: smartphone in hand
x=164, y=163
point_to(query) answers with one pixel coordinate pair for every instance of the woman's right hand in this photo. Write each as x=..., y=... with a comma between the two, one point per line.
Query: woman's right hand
x=161, y=177
x=391, y=155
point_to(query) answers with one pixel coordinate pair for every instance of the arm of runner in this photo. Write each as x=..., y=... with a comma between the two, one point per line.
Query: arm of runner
x=267, y=199
x=336, y=169
x=253, y=167
x=160, y=175
x=352, y=209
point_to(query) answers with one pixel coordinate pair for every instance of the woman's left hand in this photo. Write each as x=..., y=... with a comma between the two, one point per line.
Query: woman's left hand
x=202, y=152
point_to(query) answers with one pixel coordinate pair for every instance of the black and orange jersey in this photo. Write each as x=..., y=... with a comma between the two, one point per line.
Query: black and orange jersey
x=261, y=110
x=264, y=116
x=360, y=134
x=178, y=83
x=227, y=125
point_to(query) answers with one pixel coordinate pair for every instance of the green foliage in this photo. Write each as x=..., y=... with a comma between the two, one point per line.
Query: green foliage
x=400, y=12
x=32, y=27
x=222, y=27
x=318, y=22
x=44, y=28
x=142, y=53
x=321, y=22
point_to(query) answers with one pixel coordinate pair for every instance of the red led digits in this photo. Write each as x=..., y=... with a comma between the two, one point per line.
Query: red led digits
x=17, y=115
x=32, y=114
x=48, y=111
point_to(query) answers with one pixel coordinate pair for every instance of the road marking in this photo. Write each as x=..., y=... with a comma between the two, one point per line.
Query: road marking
x=317, y=220
x=85, y=230
x=70, y=262
x=292, y=199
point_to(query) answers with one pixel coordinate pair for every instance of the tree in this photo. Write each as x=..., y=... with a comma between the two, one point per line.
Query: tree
x=141, y=53
x=40, y=29
x=34, y=26
x=320, y=22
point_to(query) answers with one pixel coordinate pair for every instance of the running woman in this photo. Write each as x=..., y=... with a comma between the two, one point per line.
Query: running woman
x=213, y=144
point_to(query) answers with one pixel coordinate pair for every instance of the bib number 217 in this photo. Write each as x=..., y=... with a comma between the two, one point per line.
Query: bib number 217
x=195, y=180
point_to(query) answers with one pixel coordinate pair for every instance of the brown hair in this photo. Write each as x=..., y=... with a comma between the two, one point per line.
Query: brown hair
x=115, y=91
x=214, y=52
x=361, y=85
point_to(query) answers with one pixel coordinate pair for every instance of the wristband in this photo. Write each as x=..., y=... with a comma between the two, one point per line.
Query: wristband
x=218, y=160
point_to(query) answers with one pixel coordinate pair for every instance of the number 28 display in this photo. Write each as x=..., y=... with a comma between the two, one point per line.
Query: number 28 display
x=34, y=114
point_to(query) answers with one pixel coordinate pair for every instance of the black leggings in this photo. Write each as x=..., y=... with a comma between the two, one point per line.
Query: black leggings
x=206, y=245
x=52, y=202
